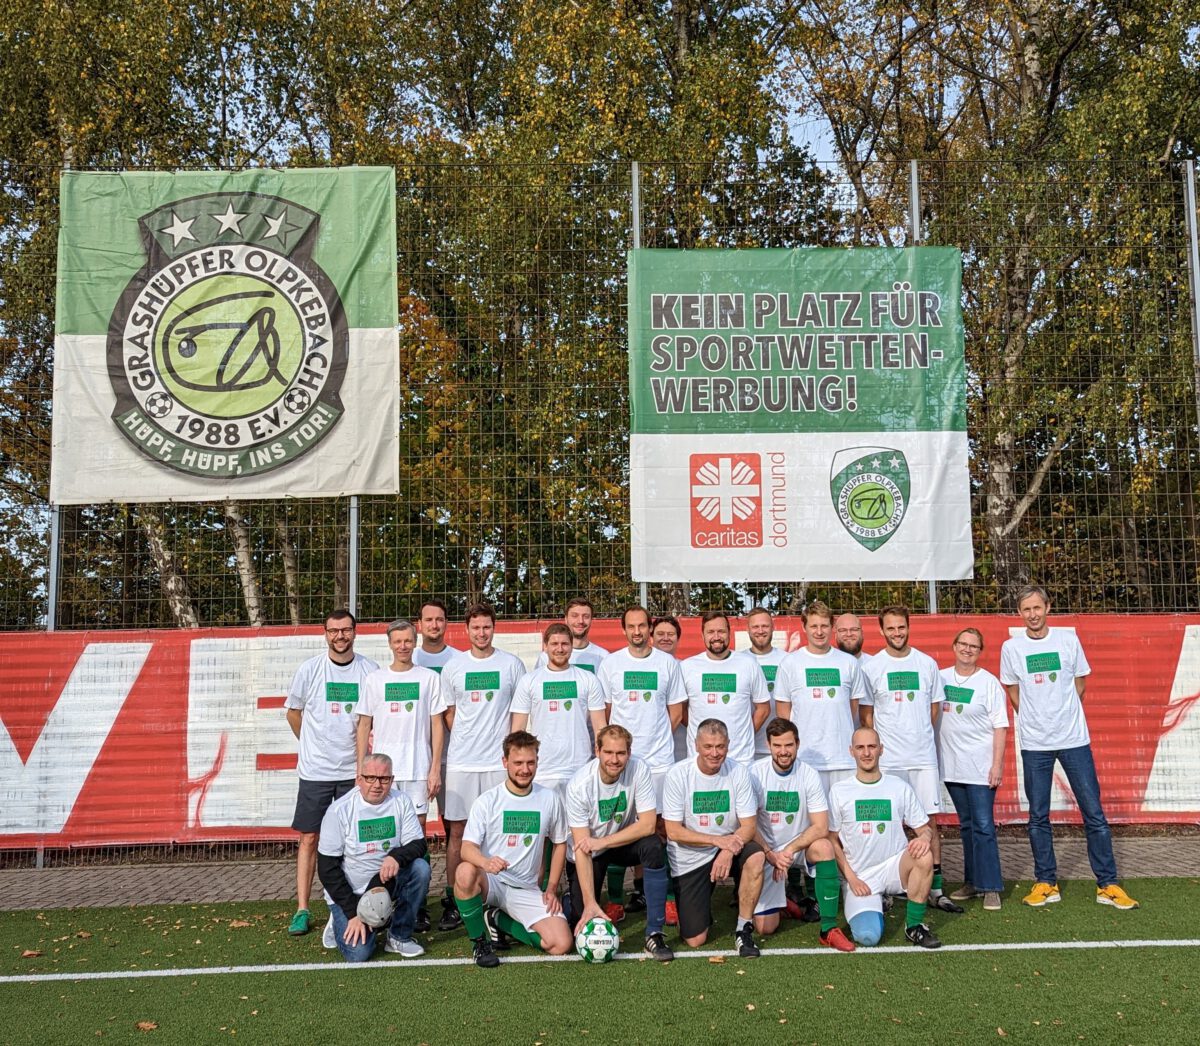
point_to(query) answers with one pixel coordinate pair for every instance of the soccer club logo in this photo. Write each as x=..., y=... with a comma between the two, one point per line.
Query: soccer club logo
x=726, y=497
x=871, y=489
x=228, y=349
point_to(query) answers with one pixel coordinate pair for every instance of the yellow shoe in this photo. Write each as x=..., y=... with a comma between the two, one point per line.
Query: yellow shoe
x=1043, y=894
x=1115, y=896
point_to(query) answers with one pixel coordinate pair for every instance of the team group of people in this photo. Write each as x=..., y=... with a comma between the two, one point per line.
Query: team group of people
x=810, y=777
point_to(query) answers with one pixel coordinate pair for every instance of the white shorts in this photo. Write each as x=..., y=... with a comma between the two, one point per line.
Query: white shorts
x=882, y=878
x=658, y=778
x=463, y=787
x=773, y=895
x=418, y=792
x=831, y=777
x=523, y=903
x=925, y=782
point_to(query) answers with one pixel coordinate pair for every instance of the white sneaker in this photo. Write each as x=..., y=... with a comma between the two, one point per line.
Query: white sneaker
x=406, y=949
x=329, y=936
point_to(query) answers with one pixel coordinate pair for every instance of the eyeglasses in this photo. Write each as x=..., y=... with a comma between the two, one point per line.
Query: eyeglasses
x=377, y=779
x=969, y=647
x=340, y=631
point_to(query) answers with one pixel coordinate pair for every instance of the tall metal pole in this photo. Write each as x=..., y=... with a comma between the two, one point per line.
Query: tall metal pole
x=914, y=238
x=1193, y=256
x=352, y=593
x=52, y=573
x=635, y=176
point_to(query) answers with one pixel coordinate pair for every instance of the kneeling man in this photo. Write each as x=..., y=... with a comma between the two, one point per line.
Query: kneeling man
x=709, y=809
x=867, y=816
x=371, y=837
x=502, y=860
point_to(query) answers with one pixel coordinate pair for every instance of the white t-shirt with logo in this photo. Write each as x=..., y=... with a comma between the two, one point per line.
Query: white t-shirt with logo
x=589, y=658
x=362, y=834
x=785, y=801
x=512, y=826
x=1050, y=716
x=435, y=662
x=712, y=804
x=820, y=688
x=558, y=704
x=605, y=809
x=401, y=705
x=902, y=689
x=870, y=818
x=973, y=709
x=638, y=691
x=480, y=691
x=769, y=663
x=728, y=690
x=327, y=693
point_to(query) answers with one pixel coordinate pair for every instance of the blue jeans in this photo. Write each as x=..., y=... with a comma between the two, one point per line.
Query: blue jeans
x=981, y=853
x=1077, y=764
x=408, y=889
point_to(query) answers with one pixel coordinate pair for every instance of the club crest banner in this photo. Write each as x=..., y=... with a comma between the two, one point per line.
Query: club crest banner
x=226, y=335
x=798, y=415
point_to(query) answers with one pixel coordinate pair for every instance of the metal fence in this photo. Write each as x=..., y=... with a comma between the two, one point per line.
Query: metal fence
x=1083, y=392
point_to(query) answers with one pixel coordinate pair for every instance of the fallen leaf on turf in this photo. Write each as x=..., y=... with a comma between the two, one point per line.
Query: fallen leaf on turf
x=29, y=953
x=237, y=924
x=750, y=1006
x=1002, y=1033
x=146, y=1025
x=717, y=959
x=84, y=934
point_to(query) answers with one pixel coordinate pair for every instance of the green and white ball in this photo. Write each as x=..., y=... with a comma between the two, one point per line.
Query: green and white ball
x=597, y=941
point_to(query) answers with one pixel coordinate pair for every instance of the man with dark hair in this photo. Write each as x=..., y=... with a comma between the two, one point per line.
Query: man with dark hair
x=760, y=627
x=1045, y=672
x=370, y=837
x=584, y=653
x=709, y=807
x=502, y=861
x=478, y=688
x=320, y=711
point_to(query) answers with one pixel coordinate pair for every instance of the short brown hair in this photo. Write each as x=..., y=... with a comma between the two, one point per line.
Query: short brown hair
x=819, y=609
x=520, y=739
x=893, y=611
x=779, y=726
x=712, y=615
x=634, y=610
x=481, y=610
x=556, y=629
x=615, y=730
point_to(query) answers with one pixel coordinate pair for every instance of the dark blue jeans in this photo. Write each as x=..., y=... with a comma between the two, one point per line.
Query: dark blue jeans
x=981, y=853
x=1077, y=764
x=408, y=890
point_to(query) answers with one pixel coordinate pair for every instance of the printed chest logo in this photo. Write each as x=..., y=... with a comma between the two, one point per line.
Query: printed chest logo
x=957, y=698
x=228, y=349
x=872, y=815
x=726, y=500
x=481, y=686
x=560, y=693
x=823, y=682
x=521, y=826
x=613, y=808
x=710, y=808
x=404, y=696
x=783, y=805
x=341, y=695
x=376, y=833
x=903, y=685
x=871, y=490
x=1043, y=666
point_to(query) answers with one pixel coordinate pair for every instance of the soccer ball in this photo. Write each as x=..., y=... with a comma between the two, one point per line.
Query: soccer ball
x=296, y=401
x=159, y=404
x=597, y=941
x=375, y=907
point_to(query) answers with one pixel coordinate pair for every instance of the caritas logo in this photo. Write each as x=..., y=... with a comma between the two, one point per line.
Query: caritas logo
x=726, y=500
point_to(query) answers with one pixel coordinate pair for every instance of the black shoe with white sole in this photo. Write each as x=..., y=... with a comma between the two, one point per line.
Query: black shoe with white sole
x=922, y=936
x=481, y=949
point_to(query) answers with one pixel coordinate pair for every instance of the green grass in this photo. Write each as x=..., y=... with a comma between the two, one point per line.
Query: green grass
x=1134, y=996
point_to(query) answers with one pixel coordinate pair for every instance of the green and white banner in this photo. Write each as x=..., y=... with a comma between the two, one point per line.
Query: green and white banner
x=798, y=415
x=226, y=334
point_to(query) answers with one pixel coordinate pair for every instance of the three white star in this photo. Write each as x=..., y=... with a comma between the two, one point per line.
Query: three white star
x=230, y=221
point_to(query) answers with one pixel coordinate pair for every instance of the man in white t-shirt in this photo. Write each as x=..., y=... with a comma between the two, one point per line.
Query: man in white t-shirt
x=584, y=653
x=555, y=703
x=477, y=687
x=793, y=829
x=710, y=808
x=728, y=686
x=867, y=817
x=502, y=861
x=848, y=632
x=613, y=816
x=1045, y=671
x=320, y=711
x=902, y=701
x=760, y=627
x=370, y=837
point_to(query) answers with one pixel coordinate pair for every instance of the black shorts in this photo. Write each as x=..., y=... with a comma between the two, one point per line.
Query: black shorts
x=694, y=890
x=313, y=799
x=648, y=852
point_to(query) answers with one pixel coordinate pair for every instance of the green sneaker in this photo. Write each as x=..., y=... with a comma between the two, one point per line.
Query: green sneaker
x=299, y=925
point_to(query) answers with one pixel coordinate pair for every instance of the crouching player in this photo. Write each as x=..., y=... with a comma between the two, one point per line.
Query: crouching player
x=793, y=829
x=867, y=815
x=502, y=861
x=612, y=814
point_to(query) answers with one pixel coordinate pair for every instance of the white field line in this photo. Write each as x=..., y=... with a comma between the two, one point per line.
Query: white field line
x=768, y=953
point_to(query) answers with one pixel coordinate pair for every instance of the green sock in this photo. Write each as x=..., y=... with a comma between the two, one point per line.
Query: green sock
x=914, y=913
x=616, y=884
x=514, y=929
x=828, y=889
x=937, y=880
x=471, y=910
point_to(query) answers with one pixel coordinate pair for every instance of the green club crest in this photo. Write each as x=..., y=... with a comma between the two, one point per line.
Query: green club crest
x=870, y=487
x=227, y=350
x=1053, y=676
x=958, y=709
x=725, y=698
x=408, y=706
x=831, y=692
x=348, y=707
x=881, y=828
x=790, y=818
x=911, y=695
x=647, y=695
x=489, y=695
x=720, y=818
x=528, y=840
x=567, y=705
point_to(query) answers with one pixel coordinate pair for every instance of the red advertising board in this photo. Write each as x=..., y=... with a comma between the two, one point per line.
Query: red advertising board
x=167, y=736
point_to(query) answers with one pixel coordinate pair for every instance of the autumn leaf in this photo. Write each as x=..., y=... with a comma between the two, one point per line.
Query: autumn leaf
x=146, y=1025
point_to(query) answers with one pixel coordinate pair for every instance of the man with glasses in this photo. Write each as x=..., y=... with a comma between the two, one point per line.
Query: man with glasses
x=371, y=838
x=320, y=710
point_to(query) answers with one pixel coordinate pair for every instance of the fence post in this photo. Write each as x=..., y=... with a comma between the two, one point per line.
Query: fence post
x=635, y=185
x=914, y=238
x=352, y=571
x=1193, y=257
x=52, y=572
